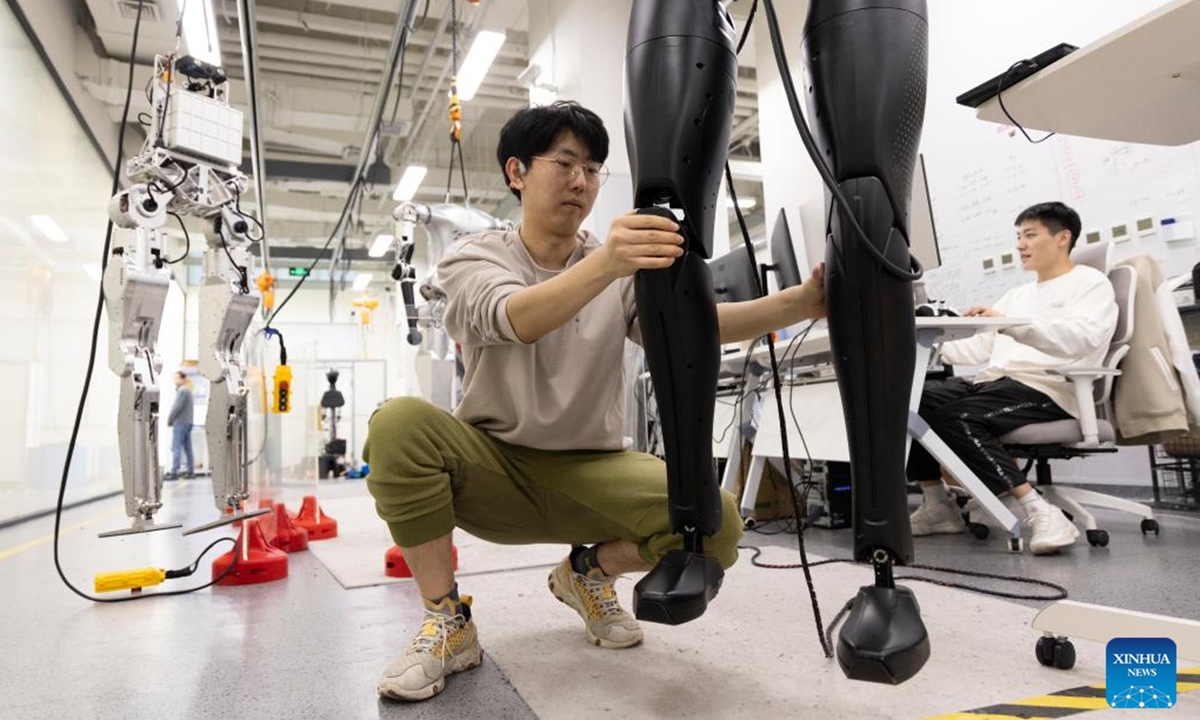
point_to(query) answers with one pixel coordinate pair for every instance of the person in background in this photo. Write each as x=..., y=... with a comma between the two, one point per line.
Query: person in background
x=180, y=422
x=1072, y=313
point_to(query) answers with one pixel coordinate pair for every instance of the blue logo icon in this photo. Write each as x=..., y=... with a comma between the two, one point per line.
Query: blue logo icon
x=1141, y=673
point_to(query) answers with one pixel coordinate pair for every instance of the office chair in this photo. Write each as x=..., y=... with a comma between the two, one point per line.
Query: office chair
x=1092, y=433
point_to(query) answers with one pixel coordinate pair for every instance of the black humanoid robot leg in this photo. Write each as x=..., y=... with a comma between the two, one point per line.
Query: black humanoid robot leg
x=866, y=66
x=680, y=84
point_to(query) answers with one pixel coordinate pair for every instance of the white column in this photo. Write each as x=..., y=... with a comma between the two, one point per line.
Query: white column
x=789, y=179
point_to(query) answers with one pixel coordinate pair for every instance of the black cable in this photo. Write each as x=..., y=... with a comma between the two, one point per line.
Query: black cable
x=760, y=282
x=462, y=169
x=1060, y=592
x=91, y=366
x=245, y=278
x=186, y=237
x=916, y=272
x=237, y=209
x=746, y=30
x=354, y=189
x=1000, y=98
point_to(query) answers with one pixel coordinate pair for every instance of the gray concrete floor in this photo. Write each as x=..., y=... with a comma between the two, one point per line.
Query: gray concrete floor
x=307, y=648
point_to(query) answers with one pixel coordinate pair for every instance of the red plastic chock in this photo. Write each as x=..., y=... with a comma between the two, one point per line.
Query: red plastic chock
x=394, y=564
x=288, y=537
x=258, y=561
x=319, y=525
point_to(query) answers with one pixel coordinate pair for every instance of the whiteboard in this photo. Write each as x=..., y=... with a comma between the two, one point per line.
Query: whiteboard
x=1109, y=184
x=982, y=175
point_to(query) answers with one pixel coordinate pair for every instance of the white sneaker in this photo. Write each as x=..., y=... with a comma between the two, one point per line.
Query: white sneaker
x=936, y=518
x=1052, y=531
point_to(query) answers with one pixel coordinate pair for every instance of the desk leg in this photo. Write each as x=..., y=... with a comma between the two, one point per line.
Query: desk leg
x=926, y=338
x=733, y=463
x=753, y=477
x=920, y=431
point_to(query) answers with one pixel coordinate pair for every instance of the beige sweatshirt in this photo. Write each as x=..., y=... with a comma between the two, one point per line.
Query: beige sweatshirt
x=1072, y=319
x=564, y=392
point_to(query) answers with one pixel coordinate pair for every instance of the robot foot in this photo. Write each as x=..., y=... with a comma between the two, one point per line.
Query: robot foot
x=678, y=589
x=227, y=519
x=140, y=526
x=884, y=639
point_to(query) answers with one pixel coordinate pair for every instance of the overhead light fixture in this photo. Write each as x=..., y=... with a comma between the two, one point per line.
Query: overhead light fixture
x=200, y=30
x=361, y=281
x=46, y=225
x=409, y=182
x=745, y=203
x=381, y=245
x=479, y=58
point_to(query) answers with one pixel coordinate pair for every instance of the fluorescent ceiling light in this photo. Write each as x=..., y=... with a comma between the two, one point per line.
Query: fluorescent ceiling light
x=479, y=58
x=49, y=228
x=745, y=203
x=200, y=30
x=381, y=245
x=409, y=182
x=92, y=270
x=361, y=281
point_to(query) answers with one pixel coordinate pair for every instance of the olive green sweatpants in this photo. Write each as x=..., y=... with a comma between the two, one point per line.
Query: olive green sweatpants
x=431, y=472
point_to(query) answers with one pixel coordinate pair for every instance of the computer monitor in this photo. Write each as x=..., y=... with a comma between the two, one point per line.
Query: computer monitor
x=922, y=235
x=734, y=276
x=783, y=254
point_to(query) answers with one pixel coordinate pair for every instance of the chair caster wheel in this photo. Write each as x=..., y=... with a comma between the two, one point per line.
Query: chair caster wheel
x=1097, y=538
x=1055, y=652
x=1016, y=544
x=979, y=530
x=1149, y=525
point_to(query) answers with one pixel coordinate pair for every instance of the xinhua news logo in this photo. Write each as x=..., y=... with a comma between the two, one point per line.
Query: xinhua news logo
x=1141, y=673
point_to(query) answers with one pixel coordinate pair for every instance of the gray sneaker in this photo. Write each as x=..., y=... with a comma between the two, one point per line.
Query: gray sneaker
x=446, y=644
x=607, y=623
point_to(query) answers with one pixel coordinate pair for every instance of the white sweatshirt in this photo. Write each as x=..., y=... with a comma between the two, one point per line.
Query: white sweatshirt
x=1073, y=319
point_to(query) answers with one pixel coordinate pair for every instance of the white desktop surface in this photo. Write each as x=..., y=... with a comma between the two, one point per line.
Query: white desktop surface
x=1140, y=83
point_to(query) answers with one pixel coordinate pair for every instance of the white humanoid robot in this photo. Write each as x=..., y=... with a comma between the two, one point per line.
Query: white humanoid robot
x=444, y=223
x=187, y=167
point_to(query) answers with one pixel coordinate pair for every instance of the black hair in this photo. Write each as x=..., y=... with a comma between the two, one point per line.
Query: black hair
x=533, y=130
x=1055, y=216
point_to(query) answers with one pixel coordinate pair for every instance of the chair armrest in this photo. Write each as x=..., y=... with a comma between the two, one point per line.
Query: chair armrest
x=1083, y=379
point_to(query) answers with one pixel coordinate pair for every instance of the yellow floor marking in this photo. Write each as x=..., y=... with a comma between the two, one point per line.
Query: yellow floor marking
x=5, y=554
x=1063, y=701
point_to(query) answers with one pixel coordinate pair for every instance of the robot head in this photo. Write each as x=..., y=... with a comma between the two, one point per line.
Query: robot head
x=332, y=377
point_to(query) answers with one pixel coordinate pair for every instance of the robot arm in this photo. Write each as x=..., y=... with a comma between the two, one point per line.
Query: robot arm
x=444, y=224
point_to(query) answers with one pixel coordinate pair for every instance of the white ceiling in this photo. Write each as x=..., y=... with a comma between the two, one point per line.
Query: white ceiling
x=320, y=63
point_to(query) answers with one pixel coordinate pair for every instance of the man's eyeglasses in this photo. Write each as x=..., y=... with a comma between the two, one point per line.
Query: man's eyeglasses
x=594, y=173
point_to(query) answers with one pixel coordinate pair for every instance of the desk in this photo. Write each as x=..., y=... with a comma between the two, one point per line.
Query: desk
x=828, y=423
x=1140, y=83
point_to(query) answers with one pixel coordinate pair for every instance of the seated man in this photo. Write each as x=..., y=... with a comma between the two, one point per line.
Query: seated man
x=1073, y=314
x=534, y=453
